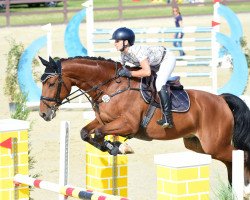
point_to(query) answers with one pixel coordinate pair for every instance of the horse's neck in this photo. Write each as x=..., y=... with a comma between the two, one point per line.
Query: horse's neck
x=86, y=74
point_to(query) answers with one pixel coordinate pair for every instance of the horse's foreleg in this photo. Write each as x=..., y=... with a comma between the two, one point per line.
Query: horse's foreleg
x=111, y=147
x=86, y=135
x=86, y=130
x=98, y=141
x=119, y=127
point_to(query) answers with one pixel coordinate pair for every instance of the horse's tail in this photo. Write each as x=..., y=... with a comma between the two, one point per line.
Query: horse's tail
x=241, y=134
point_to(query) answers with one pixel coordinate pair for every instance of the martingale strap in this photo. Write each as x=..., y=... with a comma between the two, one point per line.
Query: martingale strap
x=149, y=114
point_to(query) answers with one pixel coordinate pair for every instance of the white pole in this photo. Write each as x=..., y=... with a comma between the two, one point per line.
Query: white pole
x=64, y=156
x=24, y=179
x=90, y=25
x=215, y=47
x=238, y=174
x=47, y=28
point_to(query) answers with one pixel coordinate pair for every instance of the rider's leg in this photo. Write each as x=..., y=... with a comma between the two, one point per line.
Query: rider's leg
x=167, y=119
x=165, y=70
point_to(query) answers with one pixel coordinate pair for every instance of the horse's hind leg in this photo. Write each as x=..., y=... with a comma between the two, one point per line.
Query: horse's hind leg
x=193, y=143
x=229, y=171
x=225, y=156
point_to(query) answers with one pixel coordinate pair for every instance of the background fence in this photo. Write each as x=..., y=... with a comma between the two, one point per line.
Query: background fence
x=112, y=10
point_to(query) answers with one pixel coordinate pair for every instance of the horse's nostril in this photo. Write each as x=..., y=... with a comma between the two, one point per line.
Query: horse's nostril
x=42, y=114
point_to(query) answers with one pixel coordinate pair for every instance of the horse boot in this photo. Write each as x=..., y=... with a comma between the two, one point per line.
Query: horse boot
x=165, y=102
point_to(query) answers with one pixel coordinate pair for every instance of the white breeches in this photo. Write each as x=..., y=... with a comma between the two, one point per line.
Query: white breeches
x=166, y=68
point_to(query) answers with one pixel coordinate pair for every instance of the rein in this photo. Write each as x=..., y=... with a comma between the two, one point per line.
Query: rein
x=93, y=102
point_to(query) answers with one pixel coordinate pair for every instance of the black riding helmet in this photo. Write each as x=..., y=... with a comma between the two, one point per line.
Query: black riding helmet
x=124, y=34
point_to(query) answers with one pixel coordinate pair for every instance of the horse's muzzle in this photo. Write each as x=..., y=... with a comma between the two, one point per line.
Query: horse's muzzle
x=49, y=115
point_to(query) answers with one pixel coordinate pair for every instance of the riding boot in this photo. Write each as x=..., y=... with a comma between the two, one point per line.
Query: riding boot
x=165, y=102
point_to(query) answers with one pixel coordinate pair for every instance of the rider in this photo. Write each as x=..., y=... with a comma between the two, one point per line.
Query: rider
x=147, y=57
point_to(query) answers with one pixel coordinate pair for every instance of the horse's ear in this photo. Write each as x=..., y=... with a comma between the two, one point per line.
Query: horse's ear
x=44, y=62
x=53, y=64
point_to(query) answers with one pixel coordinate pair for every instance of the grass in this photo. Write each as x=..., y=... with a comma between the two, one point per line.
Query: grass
x=223, y=191
x=163, y=11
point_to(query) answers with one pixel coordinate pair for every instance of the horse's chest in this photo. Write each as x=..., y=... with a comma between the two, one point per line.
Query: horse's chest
x=105, y=114
x=104, y=118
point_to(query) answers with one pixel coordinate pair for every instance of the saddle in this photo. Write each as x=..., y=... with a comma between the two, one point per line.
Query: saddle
x=178, y=96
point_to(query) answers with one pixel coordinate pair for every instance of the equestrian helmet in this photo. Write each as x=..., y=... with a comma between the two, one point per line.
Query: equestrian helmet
x=124, y=34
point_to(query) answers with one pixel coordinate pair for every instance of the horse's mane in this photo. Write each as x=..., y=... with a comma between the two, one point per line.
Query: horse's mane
x=54, y=67
x=99, y=58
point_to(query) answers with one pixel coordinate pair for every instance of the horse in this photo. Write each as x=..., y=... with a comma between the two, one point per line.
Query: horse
x=213, y=124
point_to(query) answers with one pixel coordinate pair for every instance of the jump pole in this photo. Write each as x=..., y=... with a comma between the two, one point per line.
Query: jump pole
x=65, y=190
x=215, y=45
x=90, y=25
x=238, y=188
x=64, y=156
x=48, y=28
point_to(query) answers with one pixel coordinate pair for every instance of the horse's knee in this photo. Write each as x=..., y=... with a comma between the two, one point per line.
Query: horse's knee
x=98, y=134
x=84, y=134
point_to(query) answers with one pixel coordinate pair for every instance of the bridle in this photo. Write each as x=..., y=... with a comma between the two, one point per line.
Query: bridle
x=55, y=99
x=94, y=102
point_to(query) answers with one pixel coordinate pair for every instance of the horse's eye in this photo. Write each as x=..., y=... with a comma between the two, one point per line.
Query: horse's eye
x=51, y=84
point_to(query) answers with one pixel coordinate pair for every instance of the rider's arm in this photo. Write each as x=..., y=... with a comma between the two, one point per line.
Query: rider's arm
x=144, y=71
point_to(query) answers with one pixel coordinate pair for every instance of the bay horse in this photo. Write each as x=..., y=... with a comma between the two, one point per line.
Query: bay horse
x=214, y=124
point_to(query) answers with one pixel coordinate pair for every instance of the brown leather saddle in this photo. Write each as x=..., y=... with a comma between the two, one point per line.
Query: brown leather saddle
x=179, y=97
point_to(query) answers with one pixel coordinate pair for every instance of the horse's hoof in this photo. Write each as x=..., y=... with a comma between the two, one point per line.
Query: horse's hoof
x=114, y=151
x=125, y=149
x=84, y=135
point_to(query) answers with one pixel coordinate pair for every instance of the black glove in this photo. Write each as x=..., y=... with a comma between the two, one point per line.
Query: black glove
x=124, y=72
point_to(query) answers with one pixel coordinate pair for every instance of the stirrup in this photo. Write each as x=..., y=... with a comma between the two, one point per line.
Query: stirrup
x=165, y=123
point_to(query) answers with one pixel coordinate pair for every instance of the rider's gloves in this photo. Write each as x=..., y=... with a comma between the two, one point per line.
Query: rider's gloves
x=124, y=72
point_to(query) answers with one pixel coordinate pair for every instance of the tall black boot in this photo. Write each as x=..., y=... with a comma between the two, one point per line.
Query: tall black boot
x=165, y=102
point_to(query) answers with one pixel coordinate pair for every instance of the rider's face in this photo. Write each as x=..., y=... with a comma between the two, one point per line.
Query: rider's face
x=118, y=44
